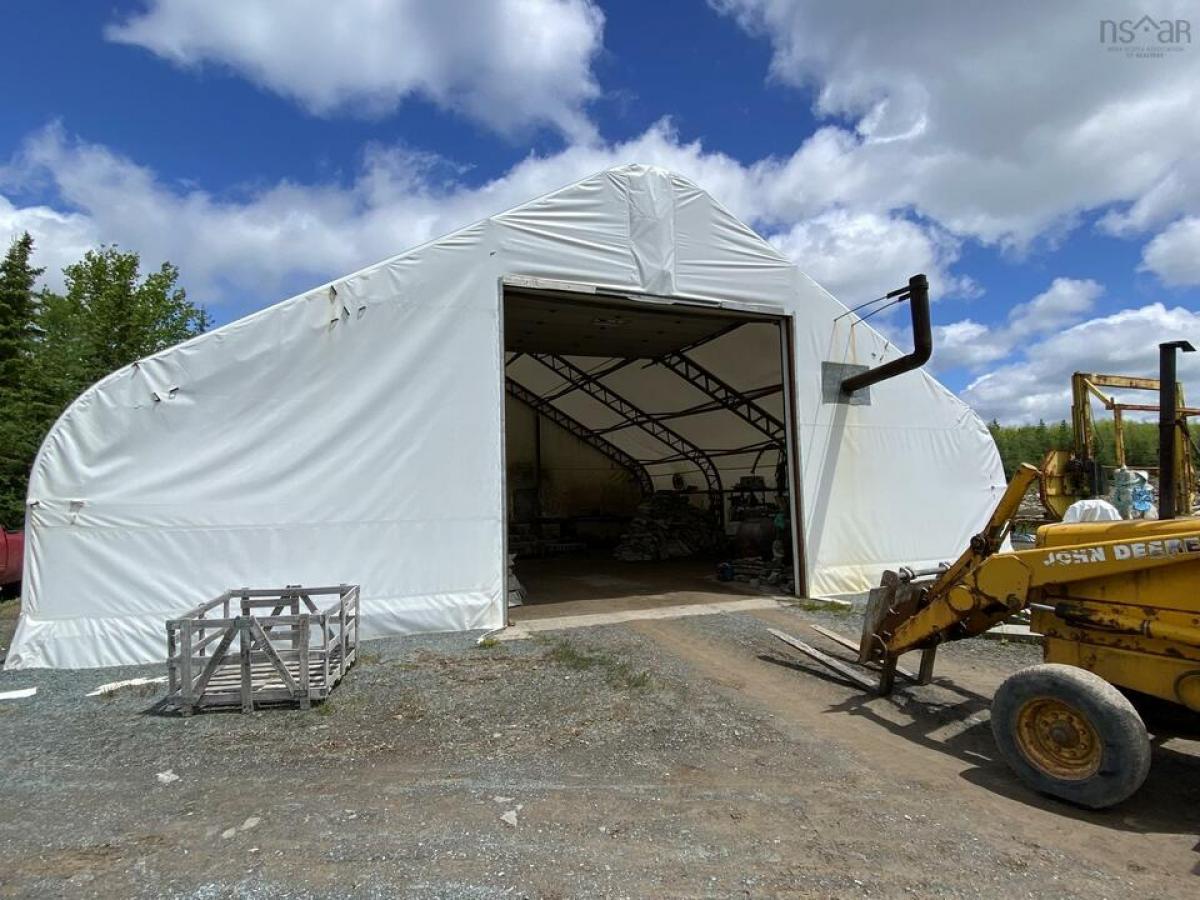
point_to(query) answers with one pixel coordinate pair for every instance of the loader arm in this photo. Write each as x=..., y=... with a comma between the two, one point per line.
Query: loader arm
x=984, y=587
x=919, y=606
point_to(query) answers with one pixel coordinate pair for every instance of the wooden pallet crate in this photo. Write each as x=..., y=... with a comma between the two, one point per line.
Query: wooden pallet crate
x=252, y=647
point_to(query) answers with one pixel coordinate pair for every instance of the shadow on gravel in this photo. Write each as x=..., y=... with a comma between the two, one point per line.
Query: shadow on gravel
x=166, y=709
x=1168, y=803
x=161, y=708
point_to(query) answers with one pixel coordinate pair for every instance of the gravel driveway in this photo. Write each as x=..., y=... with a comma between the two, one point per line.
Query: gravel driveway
x=676, y=758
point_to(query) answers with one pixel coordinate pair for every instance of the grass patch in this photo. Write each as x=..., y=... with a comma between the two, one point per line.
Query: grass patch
x=569, y=656
x=625, y=676
x=366, y=658
x=819, y=606
x=487, y=643
x=325, y=708
x=616, y=672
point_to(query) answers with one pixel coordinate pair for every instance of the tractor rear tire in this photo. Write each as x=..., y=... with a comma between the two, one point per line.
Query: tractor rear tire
x=1070, y=734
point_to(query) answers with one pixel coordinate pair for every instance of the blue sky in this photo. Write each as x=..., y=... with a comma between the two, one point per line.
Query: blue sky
x=1048, y=184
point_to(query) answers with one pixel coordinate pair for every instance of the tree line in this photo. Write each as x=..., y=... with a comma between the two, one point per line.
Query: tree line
x=54, y=345
x=1028, y=443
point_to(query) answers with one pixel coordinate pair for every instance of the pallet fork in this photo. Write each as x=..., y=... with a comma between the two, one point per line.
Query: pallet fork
x=875, y=670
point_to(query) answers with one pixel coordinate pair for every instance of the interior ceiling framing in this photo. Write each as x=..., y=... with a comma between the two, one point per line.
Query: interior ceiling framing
x=617, y=342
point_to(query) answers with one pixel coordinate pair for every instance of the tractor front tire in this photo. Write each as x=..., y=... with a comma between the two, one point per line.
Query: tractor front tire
x=1070, y=734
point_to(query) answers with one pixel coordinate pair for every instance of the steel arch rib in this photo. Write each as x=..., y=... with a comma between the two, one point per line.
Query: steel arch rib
x=726, y=395
x=581, y=431
x=639, y=418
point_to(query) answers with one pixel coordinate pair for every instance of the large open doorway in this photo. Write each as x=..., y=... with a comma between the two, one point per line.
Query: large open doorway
x=649, y=453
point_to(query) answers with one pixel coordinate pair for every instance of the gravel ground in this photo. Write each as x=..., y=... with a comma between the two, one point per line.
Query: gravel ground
x=391, y=784
x=680, y=758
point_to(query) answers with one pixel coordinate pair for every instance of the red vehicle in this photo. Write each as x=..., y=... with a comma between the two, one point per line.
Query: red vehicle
x=12, y=558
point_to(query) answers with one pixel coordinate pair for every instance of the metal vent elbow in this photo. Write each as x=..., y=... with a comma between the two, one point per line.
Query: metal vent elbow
x=917, y=292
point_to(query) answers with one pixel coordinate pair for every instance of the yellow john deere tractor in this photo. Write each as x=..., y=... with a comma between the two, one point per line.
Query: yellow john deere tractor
x=1118, y=604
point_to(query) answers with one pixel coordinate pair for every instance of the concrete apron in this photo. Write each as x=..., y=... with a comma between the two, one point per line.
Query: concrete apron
x=525, y=630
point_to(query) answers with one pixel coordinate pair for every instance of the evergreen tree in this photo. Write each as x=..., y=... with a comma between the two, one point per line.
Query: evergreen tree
x=18, y=405
x=1060, y=436
x=17, y=308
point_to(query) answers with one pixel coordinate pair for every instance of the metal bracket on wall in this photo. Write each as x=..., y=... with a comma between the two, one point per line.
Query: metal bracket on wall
x=832, y=376
x=581, y=431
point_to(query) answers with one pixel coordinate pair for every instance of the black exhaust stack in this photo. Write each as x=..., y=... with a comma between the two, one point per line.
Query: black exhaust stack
x=917, y=292
x=1168, y=391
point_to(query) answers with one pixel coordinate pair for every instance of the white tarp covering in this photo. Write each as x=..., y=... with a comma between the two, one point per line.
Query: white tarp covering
x=354, y=434
x=1091, y=510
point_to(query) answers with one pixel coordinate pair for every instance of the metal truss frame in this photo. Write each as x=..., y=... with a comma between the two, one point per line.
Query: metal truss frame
x=581, y=431
x=639, y=418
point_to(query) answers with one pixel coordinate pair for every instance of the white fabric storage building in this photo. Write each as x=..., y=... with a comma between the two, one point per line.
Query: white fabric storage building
x=356, y=433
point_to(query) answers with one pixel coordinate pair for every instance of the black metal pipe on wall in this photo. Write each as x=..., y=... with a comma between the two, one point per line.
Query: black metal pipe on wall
x=1168, y=392
x=918, y=301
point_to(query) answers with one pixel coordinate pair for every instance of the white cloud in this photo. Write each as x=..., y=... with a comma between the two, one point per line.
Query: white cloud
x=1003, y=123
x=985, y=127
x=1174, y=194
x=506, y=63
x=1174, y=254
x=1064, y=301
x=289, y=234
x=972, y=345
x=1037, y=385
x=857, y=256
x=59, y=238
x=965, y=344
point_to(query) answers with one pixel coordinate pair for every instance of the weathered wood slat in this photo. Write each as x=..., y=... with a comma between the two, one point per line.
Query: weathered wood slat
x=259, y=659
x=200, y=644
x=213, y=663
x=205, y=607
x=266, y=602
x=269, y=592
x=185, y=668
x=303, y=667
x=342, y=640
x=247, y=679
x=257, y=669
x=292, y=621
x=277, y=663
x=275, y=695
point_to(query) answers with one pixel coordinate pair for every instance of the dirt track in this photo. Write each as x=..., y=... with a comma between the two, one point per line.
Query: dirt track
x=678, y=758
x=936, y=741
